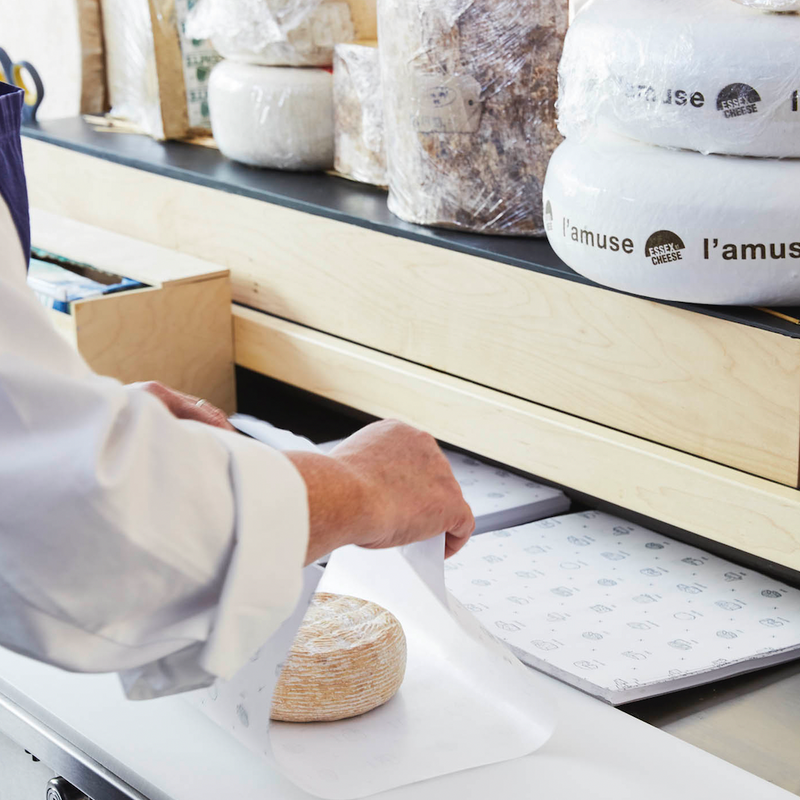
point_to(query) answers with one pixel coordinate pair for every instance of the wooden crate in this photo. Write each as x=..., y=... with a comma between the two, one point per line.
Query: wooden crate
x=177, y=330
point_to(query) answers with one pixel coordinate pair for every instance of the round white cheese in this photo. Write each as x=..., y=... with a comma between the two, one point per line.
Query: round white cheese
x=676, y=225
x=277, y=117
x=349, y=657
x=706, y=75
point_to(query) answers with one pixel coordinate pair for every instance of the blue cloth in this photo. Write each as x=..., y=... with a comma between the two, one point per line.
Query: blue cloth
x=12, y=174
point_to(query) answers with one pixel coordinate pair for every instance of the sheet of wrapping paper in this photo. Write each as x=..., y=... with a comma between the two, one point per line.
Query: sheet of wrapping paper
x=465, y=702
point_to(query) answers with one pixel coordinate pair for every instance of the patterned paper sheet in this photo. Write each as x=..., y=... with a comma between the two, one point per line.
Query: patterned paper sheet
x=620, y=611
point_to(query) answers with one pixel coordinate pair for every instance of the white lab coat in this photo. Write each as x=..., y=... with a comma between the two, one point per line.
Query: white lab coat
x=131, y=541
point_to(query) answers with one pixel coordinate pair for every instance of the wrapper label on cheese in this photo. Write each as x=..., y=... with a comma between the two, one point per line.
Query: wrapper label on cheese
x=469, y=100
x=348, y=658
x=705, y=75
x=275, y=117
x=676, y=225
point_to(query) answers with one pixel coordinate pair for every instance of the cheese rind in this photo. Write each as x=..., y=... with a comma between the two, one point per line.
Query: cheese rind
x=469, y=102
x=348, y=658
x=676, y=225
x=705, y=75
x=276, y=117
x=360, y=152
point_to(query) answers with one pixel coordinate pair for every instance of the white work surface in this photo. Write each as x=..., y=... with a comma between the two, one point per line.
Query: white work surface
x=168, y=750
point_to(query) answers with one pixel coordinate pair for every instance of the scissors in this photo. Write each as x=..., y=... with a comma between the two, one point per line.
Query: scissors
x=25, y=76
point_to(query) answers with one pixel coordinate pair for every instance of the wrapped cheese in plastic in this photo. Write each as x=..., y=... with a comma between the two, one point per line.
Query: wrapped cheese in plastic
x=676, y=225
x=360, y=153
x=276, y=117
x=469, y=101
x=298, y=33
x=705, y=75
x=157, y=74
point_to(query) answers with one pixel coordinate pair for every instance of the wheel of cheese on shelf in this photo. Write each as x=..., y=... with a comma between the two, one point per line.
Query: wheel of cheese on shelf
x=276, y=117
x=349, y=657
x=469, y=110
x=676, y=225
x=283, y=32
x=706, y=75
x=358, y=113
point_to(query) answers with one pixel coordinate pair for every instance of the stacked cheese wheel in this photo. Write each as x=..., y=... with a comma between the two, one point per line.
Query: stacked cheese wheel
x=710, y=76
x=271, y=99
x=349, y=657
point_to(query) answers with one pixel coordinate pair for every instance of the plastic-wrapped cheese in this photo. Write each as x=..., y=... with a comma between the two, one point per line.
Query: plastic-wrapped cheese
x=277, y=117
x=676, y=225
x=296, y=33
x=349, y=657
x=705, y=75
x=360, y=153
x=772, y=5
x=469, y=102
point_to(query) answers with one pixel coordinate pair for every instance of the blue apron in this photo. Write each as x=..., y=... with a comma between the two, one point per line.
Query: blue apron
x=12, y=174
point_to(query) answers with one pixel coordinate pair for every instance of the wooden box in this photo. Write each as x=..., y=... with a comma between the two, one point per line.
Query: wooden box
x=177, y=330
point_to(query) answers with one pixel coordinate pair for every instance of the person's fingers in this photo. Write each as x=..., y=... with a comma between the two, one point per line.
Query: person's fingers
x=458, y=535
x=186, y=406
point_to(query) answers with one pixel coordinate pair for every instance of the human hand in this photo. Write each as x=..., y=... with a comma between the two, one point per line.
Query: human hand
x=412, y=492
x=185, y=406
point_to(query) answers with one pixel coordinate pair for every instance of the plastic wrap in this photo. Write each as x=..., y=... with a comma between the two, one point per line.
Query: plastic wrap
x=360, y=152
x=298, y=33
x=772, y=5
x=705, y=75
x=157, y=75
x=676, y=225
x=277, y=117
x=469, y=90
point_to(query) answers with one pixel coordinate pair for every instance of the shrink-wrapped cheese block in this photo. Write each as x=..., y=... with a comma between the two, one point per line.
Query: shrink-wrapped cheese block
x=349, y=657
x=157, y=74
x=360, y=153
x=276, y=117
x=470, y=90
x=705, y=75
x=676, y=225
x=294, y=33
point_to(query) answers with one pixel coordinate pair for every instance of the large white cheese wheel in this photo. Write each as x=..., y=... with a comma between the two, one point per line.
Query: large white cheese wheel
x=360, y=152
x=277, y=117
x=676, y=225
x=349, y=657
x=469, y=109
x=706, y=75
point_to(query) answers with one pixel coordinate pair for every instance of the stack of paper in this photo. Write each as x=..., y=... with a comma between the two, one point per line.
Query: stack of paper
x=498, y=498
x=621, y=612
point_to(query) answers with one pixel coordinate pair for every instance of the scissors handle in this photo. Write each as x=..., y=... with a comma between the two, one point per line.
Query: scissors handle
x=33, y=95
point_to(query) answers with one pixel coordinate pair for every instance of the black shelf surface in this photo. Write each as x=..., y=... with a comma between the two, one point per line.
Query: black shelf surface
x=339, y=199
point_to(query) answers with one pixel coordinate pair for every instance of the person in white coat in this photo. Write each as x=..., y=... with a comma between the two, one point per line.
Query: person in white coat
x=139, y=533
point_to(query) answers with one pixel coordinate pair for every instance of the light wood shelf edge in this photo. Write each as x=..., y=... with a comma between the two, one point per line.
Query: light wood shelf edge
x=717, y=502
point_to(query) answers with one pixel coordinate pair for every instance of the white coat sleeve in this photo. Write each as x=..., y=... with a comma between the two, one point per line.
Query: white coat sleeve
x=128, y=538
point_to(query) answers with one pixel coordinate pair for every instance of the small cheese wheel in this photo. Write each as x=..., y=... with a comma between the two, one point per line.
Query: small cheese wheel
x=358, y=114
x=277, y=117
x=705, y=75
x=349, y=657
x=676, y=225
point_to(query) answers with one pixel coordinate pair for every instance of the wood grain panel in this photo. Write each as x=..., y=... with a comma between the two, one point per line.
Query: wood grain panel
x=722, y=504
x=726, y=392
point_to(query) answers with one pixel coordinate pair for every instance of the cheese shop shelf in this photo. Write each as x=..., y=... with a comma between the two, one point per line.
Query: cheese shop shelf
x=719, y=383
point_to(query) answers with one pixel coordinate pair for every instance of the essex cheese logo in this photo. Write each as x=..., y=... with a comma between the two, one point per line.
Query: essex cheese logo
x=548, y=216
x=737, y=100
x=664, y=246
